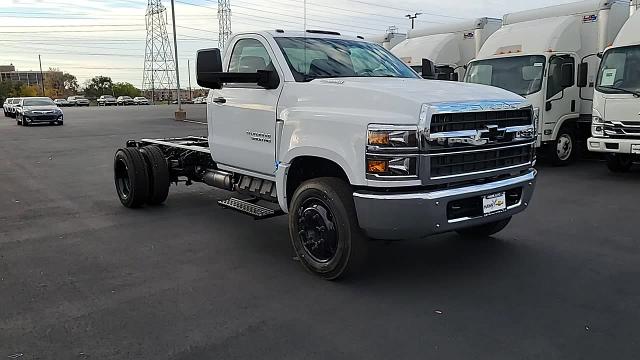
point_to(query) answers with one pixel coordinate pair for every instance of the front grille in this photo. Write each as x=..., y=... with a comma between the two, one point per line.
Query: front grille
x=479, y=161
x=44, y=117
x=622, y=129
x=479, y=120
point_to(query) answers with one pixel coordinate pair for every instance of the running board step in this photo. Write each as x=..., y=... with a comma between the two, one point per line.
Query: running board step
x=256, y=211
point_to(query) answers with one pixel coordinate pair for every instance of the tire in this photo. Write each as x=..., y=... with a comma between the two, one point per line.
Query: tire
x=484, y=231
x=22, y=121
x=619, y=163
x=158, y=171
x=562, y=151
x=131, y=177
x=323, y=209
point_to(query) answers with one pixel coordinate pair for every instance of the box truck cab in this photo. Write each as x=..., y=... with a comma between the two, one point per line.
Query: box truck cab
x=548, y=55
x=449, y=47
x=616, y=102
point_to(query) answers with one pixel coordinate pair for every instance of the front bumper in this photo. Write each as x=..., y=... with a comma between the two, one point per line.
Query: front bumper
x=620, y=146
x=43, y=118
x=401, y=216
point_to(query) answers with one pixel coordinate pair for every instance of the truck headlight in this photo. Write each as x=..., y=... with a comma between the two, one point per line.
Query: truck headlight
x=597, y=126
x=388, y=136
x=388, y=167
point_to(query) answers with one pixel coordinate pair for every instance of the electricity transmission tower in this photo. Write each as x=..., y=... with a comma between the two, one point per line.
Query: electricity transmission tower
x=224, y=22
x=159, y=65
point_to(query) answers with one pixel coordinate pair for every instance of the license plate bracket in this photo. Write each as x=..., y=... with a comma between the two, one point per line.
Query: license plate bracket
x=494, y=203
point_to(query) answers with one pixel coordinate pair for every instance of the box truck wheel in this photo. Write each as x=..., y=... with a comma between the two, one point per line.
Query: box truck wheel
x=158, y=172
x=131, y=177
x=324, y=230
x=563, y=151
x=485, y=230
x=619, y=162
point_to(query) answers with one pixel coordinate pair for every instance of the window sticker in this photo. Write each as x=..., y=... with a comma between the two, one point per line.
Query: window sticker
x=538, y=64
x=608, y=77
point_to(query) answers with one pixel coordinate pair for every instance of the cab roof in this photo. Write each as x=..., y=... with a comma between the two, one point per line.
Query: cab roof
x=322, y=34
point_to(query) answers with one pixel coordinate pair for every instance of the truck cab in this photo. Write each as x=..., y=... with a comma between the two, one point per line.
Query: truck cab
x=548, y=56
x=616, y=103
x=347, y=141
x=450, y=47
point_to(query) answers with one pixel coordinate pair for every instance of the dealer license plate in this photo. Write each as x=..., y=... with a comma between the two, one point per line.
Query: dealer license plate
x=494, y=203
x=635, y=149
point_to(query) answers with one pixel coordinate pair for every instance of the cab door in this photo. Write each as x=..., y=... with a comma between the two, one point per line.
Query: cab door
x=242, y=128
x=562, y=99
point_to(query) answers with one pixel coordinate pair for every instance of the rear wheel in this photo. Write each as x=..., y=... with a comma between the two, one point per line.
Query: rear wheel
x=131, y=177
x=619, y=162
x=158, y=171
x=324, y=229
x=485, y=230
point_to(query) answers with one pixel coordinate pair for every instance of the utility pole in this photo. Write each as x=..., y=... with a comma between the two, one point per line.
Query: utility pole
x=413, y=18
x=41, y=74
x=181, y=115
x=189, y=72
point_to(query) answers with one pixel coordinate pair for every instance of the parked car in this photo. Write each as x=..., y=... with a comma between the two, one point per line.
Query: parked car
x=107, y=100
x=9, y=106
x=125, y=100
x=78, y=100
x=33, y=110
x=61, y=102
x=140, y=100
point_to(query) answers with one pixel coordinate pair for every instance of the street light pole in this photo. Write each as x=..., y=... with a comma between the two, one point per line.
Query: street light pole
x=189, y=72
x=413, y=18
x=41, y=74
x=180, y=114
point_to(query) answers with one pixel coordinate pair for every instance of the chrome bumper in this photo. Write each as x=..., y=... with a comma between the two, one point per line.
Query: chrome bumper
x=419, y=214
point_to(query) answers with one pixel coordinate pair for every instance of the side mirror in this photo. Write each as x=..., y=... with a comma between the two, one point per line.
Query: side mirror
x=453, y=76
x=567, y=78
x=209, y=73
x=428, y=69
x=583, y=73
x=209, y=68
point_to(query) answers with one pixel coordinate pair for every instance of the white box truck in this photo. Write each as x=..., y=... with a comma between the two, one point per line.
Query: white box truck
x=616, y=101
x=449, y=47
x=539, y=54
x=388, y=40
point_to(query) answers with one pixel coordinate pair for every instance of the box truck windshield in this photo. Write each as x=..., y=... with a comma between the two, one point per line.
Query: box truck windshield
x=620, y=72
x=520, y=74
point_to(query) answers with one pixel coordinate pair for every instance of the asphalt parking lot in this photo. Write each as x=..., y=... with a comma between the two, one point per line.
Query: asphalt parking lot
x=81, y=277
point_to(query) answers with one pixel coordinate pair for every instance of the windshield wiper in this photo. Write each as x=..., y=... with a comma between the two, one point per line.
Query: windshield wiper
x=635, y=93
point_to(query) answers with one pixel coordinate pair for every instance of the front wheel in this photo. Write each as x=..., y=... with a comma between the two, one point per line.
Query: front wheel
x=485, y=230
x=618, y=163
x=563, y=151
x=324, y=230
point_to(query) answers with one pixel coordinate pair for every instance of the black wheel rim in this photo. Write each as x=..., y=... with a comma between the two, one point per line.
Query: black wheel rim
x=123, y=184
x=317, y=230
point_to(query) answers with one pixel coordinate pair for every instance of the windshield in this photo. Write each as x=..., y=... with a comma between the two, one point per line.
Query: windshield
x=313, y=58
x=619, y=70
x=37, y=102
x=521, y=75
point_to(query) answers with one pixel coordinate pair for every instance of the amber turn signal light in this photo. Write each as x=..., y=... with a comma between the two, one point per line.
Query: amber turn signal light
x=378, y=138
x=377, y=166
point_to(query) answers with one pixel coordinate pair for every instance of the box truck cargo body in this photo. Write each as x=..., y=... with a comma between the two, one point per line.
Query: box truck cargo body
x=449, y=46
x=616, y=101
x=549, y=56
x=388, y=40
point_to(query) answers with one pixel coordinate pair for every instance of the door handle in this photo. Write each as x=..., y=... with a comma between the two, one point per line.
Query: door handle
x=219, y=100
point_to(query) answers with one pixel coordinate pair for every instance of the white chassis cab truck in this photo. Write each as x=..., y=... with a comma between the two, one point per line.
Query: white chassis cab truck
x=449, y=47
x=616, y=102
x=548, y=55
x=349, y=141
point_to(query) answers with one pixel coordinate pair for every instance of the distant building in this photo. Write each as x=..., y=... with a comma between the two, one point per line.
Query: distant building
x=9, y=73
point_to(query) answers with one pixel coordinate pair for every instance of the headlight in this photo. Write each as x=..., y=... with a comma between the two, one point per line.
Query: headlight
x=392, y=137
x=392, y=151
x=597, y=126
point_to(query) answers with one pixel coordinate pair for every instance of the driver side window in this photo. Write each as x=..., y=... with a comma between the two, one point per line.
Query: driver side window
x=249, y=56
x=554, y=81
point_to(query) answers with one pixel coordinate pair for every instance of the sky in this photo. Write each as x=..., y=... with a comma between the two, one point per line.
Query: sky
x=107, y=37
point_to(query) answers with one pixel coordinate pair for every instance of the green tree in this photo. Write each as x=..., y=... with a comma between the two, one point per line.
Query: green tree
x=9, y=89
x=27, y=91
x=98, y=85
x=125, y=89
